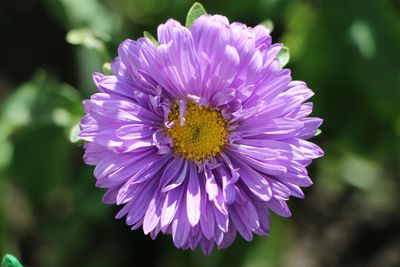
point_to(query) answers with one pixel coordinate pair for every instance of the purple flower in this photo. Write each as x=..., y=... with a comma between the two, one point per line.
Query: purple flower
x=202, y=135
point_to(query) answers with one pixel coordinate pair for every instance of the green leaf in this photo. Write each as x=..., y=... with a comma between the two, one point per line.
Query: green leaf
x=284, y=56
x=268, y=24
x=74, y=134
x=150, y=37
x=107, y=68
x=362, y=36
x=88, y=38
x=194, y=12
x=10, y=261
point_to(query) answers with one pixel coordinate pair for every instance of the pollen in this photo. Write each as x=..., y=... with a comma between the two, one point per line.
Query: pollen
x=203, y=135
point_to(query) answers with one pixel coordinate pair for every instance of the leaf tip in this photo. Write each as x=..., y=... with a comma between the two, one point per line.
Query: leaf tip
x=269, y=24
x=195, y=11
x=284, y=56
x=150, y=37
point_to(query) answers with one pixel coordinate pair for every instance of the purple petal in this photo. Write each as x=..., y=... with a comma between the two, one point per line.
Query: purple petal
x=181, y=226
x=153, y=213
x=257, y=184
x=211, y=185
x=170, y=207
x=193, y=196
x=178, y=181
x=279, y=207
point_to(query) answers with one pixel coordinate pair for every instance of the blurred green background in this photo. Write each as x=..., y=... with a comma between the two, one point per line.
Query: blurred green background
x=51, y=214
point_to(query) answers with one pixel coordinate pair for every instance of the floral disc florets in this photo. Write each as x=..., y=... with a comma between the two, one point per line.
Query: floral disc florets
x=200, y=134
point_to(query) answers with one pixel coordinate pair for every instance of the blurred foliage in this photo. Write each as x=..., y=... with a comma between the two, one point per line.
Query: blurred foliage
x=10, y=261
x=347, y=51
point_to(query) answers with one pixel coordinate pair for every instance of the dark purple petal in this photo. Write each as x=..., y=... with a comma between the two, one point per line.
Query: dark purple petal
x=181, y=226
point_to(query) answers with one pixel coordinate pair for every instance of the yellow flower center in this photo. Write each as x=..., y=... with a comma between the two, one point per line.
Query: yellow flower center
x=203, y=134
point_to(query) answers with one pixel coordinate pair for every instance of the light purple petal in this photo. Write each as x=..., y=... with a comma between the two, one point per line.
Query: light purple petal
x=170, y=206
x=193, y=196
x=153, y=213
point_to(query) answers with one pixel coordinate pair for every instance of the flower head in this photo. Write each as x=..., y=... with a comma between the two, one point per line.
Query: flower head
x=202, y=135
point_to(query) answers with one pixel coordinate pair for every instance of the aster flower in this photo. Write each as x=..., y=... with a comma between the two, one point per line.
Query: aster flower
x=200, y=135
